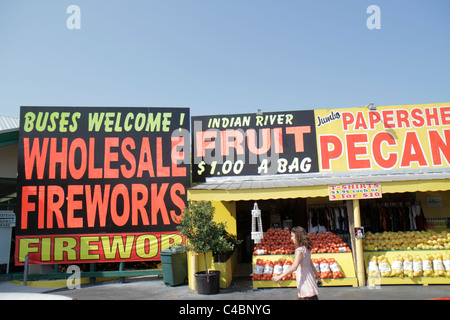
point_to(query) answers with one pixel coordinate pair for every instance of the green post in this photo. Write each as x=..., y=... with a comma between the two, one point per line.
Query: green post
x=122, y=268
x=92, y=268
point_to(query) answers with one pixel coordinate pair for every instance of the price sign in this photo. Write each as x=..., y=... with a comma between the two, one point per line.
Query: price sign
x=354, y=191
x=253, y=144
x=7, y=219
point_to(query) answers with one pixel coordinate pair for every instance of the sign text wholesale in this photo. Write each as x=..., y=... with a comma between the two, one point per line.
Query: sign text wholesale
x=100, y=184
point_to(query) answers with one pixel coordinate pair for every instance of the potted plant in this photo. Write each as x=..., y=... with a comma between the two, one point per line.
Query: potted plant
x=202, y=235
x=224, y=245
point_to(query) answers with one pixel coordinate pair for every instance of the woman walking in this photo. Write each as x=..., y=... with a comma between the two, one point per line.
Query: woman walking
x=306, y=283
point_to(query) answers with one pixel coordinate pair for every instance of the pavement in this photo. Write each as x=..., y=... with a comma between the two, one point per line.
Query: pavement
x=153, y=288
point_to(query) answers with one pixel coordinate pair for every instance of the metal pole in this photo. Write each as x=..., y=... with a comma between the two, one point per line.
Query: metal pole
x=25, y=272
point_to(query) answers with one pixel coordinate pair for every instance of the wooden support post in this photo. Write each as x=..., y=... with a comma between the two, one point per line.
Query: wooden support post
x=360, y=274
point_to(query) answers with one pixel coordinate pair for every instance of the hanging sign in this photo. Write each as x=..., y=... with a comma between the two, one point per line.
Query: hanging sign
x=100, y=184
x=354, y=191
x=359, y=233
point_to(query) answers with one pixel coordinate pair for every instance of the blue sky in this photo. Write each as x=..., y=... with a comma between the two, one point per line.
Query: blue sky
x=223, y=56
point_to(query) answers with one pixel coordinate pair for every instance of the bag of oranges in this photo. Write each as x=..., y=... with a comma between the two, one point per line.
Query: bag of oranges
x=258, y=270
x=335, y=269
x=286, y=266
x=325, y=271
x=316, y=266
x=277, y=268
x=268, y=270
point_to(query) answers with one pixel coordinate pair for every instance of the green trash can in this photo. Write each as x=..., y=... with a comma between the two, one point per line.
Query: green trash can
x=174, y=266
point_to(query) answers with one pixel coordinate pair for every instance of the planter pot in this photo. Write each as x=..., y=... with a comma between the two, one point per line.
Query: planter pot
x=205, y=287
x=221, y=258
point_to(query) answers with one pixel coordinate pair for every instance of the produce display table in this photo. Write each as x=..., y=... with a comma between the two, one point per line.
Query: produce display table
x=390, y=255
x=345, y=261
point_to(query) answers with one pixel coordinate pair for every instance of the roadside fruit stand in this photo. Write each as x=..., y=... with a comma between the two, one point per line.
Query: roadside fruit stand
x=387, y=168
x=331, y=257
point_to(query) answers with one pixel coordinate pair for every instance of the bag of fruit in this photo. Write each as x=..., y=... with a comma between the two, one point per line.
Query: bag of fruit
x=383, y=265
x=316, y=266
x=427, y=266
x=438, y=266
x=277, y=268
x=397, y=266
x=286, y=266
x=258, y=270
x=408, y=266
x=373, y=270
x=446, y=263
x=335, y=269
x=417, y=267
x=268, y=270
x=325, y=271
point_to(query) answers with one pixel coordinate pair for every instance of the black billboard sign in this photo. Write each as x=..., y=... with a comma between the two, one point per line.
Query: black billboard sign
x=253, y=144
x=100, y=184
